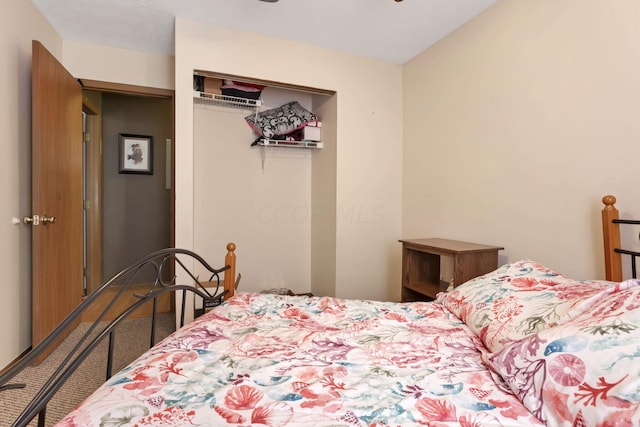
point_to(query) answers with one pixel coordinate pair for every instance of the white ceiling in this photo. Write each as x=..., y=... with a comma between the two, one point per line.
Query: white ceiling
x=381, y=29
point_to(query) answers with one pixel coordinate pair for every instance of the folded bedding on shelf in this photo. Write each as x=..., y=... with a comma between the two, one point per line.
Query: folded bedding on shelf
x=242, y=89
x=281, y=120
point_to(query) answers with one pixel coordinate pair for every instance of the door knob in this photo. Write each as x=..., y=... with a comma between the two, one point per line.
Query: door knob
x=37, y=219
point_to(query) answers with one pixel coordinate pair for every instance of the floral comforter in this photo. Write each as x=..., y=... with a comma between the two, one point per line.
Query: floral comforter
x=275, y=360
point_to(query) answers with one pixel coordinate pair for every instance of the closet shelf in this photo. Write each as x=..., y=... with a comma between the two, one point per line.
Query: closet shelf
x=225, y=100
x=294, y=144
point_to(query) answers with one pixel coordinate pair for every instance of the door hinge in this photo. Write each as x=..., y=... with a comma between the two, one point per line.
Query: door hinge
x=86, y=204
x=86, y=137
x=85, y=272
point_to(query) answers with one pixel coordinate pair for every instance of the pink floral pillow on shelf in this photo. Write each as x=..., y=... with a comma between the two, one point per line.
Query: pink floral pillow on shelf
x=585, y=372
x=515, y=301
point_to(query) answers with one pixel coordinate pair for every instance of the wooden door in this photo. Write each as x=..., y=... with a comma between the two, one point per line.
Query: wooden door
x=56, y=192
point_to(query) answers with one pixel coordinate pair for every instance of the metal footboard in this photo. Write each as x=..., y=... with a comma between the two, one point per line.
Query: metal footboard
x=166, y=267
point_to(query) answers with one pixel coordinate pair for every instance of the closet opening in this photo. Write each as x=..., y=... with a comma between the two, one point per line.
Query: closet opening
x=283, y=193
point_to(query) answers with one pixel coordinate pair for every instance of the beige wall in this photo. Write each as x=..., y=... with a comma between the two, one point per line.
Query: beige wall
x=518, y=123
x=110, y=64
x=369, y=147
x=17, y=29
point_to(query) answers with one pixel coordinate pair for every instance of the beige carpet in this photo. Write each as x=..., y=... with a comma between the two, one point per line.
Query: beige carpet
x=131, y=339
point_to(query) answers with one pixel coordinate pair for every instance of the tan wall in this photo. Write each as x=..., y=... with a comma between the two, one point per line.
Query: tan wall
x=518, y=123
x=17, y=29
x=110, y=64
x=369, y=144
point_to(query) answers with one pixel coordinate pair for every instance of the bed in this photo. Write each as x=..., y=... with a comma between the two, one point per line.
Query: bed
x=520, y=346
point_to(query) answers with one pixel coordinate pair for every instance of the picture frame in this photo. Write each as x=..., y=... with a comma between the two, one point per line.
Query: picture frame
x=135, y=154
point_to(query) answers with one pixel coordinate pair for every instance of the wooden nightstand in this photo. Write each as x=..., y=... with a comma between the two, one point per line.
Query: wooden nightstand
x=421, y=265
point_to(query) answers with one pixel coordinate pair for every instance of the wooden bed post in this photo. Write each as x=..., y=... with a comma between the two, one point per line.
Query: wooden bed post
x=611, y=233
x=230, y=274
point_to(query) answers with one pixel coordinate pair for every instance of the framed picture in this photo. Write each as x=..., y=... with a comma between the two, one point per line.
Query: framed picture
x=135, y=154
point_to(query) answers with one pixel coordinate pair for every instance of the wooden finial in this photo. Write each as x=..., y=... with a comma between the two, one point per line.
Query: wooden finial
x=232, y=246
x=609, y=201
x=611, y=235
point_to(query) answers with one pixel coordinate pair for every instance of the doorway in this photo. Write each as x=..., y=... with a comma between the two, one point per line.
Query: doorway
x=57, y=146
x=128, y=213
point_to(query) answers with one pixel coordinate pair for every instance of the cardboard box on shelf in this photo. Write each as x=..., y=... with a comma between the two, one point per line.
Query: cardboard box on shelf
x=311, y=133
x=212, y=85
